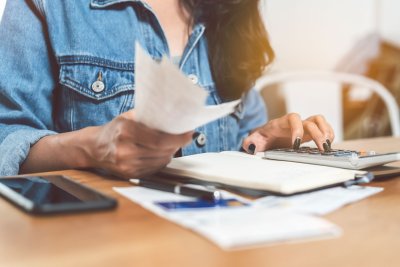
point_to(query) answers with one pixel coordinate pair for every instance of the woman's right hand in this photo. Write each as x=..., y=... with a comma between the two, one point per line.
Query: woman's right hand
x=129, y=149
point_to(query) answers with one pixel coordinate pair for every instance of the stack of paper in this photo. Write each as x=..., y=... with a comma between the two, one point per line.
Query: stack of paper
x=242, y=170
x=235, y=227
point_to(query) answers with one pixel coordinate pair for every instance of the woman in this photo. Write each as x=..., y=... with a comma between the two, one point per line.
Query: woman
x=67, y=83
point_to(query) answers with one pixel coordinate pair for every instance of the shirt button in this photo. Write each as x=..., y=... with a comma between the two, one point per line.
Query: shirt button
x=201, y=139
x=193, y=78
x=98, y=86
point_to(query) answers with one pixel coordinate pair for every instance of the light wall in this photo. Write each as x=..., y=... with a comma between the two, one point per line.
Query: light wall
x=320, y=35
x=316, y=34
x=389, y=20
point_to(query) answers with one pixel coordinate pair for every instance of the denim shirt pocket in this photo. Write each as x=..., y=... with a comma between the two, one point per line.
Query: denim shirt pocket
x=93, y=92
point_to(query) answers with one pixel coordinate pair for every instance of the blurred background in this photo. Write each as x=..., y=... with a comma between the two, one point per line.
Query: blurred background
x=352, y=36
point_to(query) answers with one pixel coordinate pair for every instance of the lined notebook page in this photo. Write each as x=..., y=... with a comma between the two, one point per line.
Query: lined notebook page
x=240, y=169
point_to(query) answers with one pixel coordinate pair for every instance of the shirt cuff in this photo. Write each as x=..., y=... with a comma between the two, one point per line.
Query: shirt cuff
x=15, y=148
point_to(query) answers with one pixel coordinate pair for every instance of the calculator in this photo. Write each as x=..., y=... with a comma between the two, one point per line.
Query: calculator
x=341, y=158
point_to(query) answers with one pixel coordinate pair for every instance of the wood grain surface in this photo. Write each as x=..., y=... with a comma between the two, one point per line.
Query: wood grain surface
x=132, y=236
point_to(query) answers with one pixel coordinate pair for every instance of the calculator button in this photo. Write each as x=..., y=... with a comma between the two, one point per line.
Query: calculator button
x=327, y=153
x=342, y=155
x=302, y=151
x=289, y=150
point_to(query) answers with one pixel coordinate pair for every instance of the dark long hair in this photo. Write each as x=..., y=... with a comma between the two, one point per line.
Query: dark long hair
x=238, y=44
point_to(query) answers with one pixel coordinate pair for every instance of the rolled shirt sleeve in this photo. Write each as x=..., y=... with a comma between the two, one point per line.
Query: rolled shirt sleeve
x=15, y=148
x=26, y=83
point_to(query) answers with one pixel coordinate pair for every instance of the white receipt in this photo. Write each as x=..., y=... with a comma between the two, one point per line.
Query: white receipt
x=166, y=100
x=319, y=202
x=235, y=227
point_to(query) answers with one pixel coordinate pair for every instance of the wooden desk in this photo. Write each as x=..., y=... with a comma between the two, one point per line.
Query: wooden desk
x=132, y=236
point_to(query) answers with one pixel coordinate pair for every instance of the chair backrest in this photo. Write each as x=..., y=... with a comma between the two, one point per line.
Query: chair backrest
x=320, y=92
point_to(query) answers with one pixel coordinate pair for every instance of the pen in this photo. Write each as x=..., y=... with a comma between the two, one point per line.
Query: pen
x=178, y=188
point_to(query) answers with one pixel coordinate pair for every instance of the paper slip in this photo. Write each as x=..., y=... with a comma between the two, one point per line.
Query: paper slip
x=235, y=227
x=166, y=100
x=319, y=202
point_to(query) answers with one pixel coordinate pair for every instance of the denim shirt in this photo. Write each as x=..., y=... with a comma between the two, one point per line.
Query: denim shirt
x=52, y=53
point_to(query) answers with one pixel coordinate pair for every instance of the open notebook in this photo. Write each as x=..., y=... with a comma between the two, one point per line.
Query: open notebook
x=254, y=172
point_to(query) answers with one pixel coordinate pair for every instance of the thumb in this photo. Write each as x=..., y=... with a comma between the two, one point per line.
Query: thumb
x=130, y=114
x=256, y=142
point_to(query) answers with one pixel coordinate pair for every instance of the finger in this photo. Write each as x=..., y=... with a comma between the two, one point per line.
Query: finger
x=289, y=126
x=126, y=151
x=151, y=138
x=129, y=115
x=256, y=142
x=155, y=139
x=316, y=135
x=153, y=165
x=287, y=129
x=296, y=129
x=154, y=154
x=139, y=167
x=324, y=127
x=284, y=127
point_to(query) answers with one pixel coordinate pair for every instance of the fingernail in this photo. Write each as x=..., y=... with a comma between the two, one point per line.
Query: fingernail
x=326, y=147
x=252, y=149
x=296, y=144
x=329, y=143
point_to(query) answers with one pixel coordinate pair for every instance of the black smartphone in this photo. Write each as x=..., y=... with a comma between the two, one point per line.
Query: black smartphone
x=52, y=194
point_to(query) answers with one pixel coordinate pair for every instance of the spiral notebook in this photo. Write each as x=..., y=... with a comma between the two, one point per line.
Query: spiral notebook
x=241, y=170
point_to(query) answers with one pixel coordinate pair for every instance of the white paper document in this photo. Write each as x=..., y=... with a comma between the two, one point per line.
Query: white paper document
x=235, y=227
x=319, y=202
x=166, y=100
x=240, y=169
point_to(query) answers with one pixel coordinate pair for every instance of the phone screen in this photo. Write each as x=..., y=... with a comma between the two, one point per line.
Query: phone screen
x=52, y=194
x=39, y=190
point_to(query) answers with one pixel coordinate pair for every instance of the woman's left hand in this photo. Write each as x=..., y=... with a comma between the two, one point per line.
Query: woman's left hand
x=290, y=131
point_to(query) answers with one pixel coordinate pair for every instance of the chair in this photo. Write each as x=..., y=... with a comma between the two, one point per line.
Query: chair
x=320, y=92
